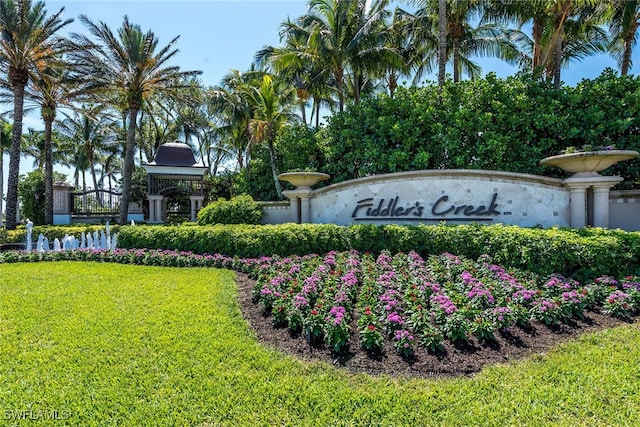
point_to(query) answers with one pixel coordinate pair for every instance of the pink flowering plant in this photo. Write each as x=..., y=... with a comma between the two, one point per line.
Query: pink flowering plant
x=336, y=328
x=618, y=304
x=548, y=311
x=403, y=342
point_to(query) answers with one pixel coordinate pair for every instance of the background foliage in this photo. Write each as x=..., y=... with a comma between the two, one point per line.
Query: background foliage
x=496, y=124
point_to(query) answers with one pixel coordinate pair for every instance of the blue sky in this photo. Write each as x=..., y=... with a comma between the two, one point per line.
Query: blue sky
x=219, y=35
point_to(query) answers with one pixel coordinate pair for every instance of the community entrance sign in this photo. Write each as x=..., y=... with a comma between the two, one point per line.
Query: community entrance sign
x=460, y=196
x=453, y=196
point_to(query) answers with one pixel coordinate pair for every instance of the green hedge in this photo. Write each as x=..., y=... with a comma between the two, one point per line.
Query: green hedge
x=582, y=253
x=579, y=253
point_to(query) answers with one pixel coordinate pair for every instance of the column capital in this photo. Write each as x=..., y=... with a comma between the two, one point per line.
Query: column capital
x=592, y=181
x=305, y=193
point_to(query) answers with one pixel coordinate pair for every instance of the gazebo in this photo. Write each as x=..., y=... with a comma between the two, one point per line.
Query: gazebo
x=174, y=172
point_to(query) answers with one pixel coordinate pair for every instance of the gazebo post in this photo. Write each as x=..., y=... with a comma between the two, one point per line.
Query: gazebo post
x=196, y=205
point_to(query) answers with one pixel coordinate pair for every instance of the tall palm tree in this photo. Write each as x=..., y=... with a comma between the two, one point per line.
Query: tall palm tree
x=90, y=134
x=401, y=50
x=562, y=30
x=27, y=37
x=230, y=104
x=623, y=27
x=130, y=67
x=271, y=106
x=463, y=40
x=5, y=143
x=50, y=88
x=343, y=37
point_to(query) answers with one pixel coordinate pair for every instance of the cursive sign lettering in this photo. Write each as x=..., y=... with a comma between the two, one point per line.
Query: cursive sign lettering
x=391, y=209
x=466, y=210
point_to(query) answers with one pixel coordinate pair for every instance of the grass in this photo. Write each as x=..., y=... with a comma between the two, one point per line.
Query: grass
x=109, y=344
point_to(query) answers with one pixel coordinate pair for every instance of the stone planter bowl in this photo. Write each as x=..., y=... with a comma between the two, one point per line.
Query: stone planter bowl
x=303, y=179
x=589, y=163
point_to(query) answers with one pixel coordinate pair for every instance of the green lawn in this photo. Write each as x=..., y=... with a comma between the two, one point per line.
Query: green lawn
x=110, y=344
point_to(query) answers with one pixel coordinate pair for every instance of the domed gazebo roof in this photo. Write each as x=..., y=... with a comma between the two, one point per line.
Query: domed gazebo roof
x=175, y=153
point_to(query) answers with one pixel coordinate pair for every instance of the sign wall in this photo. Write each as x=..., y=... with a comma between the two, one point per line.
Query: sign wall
x=452, y=196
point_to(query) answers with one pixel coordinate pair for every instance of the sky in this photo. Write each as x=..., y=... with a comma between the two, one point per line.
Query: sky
x=219, y=35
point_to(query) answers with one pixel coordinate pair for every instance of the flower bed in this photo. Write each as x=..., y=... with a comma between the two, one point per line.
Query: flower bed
x=347, y=297
x=417, y=302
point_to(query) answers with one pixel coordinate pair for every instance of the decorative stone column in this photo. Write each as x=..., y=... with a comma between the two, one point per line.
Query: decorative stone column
x=62, y=200
x=300, y=203
x=155, y=209
x=585, y=167
x=601, y=200
x=578, y=191
x=578, y=186
x=301, y=196
x=196, y=205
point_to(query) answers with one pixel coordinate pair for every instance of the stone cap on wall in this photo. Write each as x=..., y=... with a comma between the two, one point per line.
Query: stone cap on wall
x=472, y=174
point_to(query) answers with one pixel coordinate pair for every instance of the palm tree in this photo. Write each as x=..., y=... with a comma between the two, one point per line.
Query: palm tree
x=464, y=41
x=401, y=50
x=27, y=37
x=5, y=143
x=33, y=145
x=90, y=135
x=271, y=105
x=343, y=38
x=50, y=88
x=230, y=104
x=623, y=27
x=129, y=67
x=562, y=30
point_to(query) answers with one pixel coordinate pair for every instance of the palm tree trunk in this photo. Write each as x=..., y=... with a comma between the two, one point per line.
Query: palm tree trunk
x=456, y=60
x=14, y=155
x=48, y=170
x=127, y=170
x=538, y=28
x=274, y=170
x=393, y=84
x=1, y=184
x=340, y=88
x=561, y=18
x=356, y=87
x=628, y=47
x=557, y=61
x=442, y=41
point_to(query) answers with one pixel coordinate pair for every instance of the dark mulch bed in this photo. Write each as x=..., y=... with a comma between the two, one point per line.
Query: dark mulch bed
x=455, y=360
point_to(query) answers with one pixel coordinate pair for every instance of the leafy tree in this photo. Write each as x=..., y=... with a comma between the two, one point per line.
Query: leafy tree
x=31, y=190
x=27, y=37
x=492, y=124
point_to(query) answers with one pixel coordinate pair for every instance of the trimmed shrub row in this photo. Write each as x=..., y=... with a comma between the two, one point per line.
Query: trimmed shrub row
x=580, y=253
